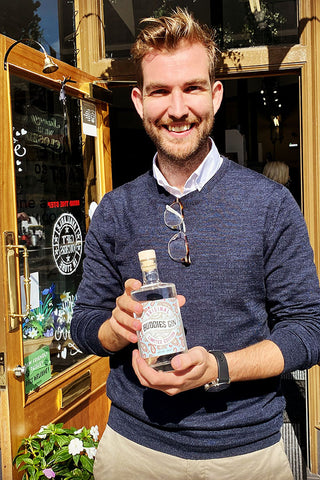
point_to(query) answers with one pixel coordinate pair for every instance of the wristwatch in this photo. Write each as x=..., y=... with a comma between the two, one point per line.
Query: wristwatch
x=223, y=380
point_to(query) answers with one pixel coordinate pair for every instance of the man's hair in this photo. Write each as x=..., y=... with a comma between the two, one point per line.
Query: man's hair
x=165, y=33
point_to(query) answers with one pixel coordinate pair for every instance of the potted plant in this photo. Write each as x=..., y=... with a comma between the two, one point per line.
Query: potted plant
x=57, y=452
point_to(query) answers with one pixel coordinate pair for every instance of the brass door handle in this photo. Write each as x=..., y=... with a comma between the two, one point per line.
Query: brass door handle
x=13, y=289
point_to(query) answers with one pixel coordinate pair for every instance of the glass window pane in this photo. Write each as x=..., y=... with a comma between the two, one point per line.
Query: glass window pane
x=51, y=190
x=252, y=23
x=47, y=22
x=239, y=23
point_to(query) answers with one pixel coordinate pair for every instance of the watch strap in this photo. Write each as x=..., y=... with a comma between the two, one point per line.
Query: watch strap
x=223, y=380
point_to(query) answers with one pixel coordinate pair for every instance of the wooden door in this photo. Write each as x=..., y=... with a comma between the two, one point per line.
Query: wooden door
x=54, y=168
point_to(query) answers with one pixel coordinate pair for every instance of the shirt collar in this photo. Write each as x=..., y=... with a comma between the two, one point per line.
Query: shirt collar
x=197, y=179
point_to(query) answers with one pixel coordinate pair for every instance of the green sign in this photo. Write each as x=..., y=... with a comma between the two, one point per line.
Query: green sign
x=38, y=368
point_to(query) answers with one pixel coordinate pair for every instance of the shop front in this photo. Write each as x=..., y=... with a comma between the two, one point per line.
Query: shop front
x=59, y=132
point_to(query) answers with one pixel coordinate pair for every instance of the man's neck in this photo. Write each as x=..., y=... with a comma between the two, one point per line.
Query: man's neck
x=177, y=173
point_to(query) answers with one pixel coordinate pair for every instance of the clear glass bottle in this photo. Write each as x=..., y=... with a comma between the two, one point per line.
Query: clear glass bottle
x=162, y=335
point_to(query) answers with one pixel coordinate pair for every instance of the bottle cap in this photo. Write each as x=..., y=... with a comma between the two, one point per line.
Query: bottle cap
x=146, y=255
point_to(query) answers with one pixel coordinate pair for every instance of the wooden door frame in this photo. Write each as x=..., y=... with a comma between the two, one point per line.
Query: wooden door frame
x=28, y=63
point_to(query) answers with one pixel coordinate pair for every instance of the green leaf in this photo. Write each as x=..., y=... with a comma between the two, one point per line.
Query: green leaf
x=86, y=463
x=62, y=455
x=76, y=459
x=19, y=459
x=35, y=443
x=23, y=467
x=89, y=443
x=52, y=440
x=59, y=431
x=47, y=448
x=63, y=440
x=28, y=461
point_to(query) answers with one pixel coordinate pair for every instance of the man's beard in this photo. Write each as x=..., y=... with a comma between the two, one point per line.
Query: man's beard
x=176, y=154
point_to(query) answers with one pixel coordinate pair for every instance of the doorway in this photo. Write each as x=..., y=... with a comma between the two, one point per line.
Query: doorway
x=257, y=123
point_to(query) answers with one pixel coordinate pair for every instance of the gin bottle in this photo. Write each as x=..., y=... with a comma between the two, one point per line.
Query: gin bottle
x=162, y=335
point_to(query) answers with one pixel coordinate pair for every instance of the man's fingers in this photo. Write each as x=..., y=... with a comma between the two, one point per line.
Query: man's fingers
x=195, y=356
x=131, y=284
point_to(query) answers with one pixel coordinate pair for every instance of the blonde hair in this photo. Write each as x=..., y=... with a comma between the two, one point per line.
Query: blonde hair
x=166, y=32
x=277, y=171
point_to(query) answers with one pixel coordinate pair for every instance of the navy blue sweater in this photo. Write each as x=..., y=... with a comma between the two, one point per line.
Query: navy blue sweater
x=252, y=277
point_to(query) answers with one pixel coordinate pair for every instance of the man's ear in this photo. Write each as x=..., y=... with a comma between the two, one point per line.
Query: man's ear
x=217, y=94
x=136, y=97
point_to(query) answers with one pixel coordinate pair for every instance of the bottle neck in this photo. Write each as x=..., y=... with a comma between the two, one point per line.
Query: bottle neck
x=150, y=276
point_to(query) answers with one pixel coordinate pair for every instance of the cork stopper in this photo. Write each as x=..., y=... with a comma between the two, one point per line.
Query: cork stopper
x=146, y=255
x=147, y=260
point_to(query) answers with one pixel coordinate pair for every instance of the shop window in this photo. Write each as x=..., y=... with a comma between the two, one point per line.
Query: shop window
x=238, y=23
x=51, y=174
x=47, y=22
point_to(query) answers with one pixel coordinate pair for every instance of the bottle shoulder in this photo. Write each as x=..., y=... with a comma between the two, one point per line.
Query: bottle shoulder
x=158, y=290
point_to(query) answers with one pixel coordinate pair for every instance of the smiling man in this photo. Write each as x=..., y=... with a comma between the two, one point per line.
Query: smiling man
x=177, y=103
x=246, y=276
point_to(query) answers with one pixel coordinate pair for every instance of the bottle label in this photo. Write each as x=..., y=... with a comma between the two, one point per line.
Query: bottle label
x=162, y=330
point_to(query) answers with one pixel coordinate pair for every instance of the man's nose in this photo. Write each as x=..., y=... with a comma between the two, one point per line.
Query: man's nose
x=178, y=107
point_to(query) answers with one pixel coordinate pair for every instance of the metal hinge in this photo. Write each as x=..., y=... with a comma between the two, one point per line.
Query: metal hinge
x=3, y=379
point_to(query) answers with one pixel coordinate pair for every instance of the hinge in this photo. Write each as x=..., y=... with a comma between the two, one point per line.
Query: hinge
x=3, y=380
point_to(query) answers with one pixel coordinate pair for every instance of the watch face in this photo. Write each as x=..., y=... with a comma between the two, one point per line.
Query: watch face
x=218, y=388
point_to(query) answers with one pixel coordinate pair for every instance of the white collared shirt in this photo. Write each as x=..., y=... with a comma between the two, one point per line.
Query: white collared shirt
x=197, y=179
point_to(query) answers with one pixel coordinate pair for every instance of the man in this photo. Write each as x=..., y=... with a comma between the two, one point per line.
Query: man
x=251, y=289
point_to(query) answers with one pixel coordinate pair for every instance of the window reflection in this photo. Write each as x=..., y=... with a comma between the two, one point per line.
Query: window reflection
x=239, y=23
x=50, y=23
x=51, y=203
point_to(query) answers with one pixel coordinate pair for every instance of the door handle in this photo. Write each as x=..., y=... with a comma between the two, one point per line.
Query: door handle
x=13, y=290
x=19, y=371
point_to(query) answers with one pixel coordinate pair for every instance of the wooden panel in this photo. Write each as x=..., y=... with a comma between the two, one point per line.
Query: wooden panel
x=310, y=118
x=234, y=62
x=90, y=33
x=11, y=344
x=103, y=150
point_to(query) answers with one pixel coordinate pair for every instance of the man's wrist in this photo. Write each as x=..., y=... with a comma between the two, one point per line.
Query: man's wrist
x=223, y=380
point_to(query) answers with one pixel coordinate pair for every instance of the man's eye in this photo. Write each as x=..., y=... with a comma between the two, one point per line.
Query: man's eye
x=159, y=91
x=192, y=88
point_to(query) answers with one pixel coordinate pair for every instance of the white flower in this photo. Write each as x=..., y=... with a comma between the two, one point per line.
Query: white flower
x=75, y=446
x=91, y=452
x=78, y=431
x=40, y=317
x=94, y=432
x=39, y=434
x=32, y=333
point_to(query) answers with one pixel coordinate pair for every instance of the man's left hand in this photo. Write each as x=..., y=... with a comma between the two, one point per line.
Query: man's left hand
x=190, y=370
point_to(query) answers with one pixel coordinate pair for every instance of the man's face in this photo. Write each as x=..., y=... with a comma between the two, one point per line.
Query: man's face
x=178, y=102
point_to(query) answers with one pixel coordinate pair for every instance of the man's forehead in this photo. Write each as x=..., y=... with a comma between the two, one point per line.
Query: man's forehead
x=182, y=45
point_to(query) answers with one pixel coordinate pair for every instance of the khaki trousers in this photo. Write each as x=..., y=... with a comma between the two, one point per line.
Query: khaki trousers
x=121, y=459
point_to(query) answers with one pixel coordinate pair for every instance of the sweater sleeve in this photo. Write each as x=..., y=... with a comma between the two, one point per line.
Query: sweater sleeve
x=292, y=286
x=101, y=283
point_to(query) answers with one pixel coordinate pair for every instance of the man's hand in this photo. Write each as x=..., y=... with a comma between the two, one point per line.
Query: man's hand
x=198, y=367
x=120, y=330
x=191, y=370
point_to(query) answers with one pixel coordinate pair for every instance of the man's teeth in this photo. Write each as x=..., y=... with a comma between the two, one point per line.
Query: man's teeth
x=178, y=128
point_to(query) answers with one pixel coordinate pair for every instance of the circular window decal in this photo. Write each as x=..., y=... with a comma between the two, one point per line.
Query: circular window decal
x=67, y=244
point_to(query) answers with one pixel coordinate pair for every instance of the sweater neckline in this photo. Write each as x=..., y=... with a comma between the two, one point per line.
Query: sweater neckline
x=196, y=196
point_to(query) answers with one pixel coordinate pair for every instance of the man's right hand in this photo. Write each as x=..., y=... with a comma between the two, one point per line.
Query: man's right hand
x=120, y=330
